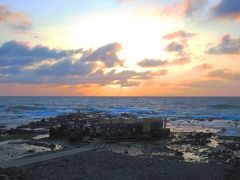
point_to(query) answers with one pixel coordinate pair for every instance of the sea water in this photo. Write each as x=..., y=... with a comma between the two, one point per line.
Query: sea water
x=15, y=111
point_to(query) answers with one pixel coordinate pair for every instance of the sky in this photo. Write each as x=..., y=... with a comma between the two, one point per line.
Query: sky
x=120, y=48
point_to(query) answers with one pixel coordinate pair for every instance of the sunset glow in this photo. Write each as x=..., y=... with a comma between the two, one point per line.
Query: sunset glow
x=120, y=48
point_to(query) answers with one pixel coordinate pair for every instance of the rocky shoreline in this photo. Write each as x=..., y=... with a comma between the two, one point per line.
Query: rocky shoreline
x=204, y=148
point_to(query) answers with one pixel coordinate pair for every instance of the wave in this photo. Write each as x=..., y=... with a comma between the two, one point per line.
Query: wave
x=23, y=108
x=225, y=106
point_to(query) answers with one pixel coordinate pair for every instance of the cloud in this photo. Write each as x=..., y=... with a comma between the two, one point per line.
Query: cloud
x=186, y=8
x=17, y=20
x=126, y=83
x=149, y=63
x=161, y=72
x=179, y=34
x=211, y=88
x=195, y=7
x=203, y=67
x=20, y=54
x=180, y=42
x=180, y=61
x=178, y=47
x=225, y=74
x=208, y=84
x=106, y=54
x=33, y=35
x=152, y=63
x=229, y=9
x=65, y=67
x=22, y=64
x=124, y=78
x=227, y=45
x=175, y=47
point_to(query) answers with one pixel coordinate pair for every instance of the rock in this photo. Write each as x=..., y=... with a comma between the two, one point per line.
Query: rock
x=227, y=161
x=4, y=177
x=210, y=119
x=2, y=126
x=163, y=172
x=178, y=153
x=52, y=146
x=31, y=151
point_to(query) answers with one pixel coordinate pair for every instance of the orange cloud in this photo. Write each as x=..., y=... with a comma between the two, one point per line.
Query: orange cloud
x=179, y=34
x=203, y=67
x=180, y=61
x=16, y=19
x=178, y=9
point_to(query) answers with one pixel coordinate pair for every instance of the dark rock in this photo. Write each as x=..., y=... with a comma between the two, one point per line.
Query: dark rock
x=163, y=172
x=31, y=151
x=210, y=119
x=43, y=144
x=19, y=131
x=4, y=177
x=178, y=153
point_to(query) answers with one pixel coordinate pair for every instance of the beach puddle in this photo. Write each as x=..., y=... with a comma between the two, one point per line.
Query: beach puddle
x=129, y=149
x=15, y=149
x=41, y=136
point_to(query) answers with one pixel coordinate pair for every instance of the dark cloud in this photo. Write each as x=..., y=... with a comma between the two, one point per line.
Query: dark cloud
x=227, y=45
x=203, y=67
x=182, y=60
x=227, y=9
x=161, y=72
x=128, y=83
x=106, y=54
x=19, y=54
x=225, y=74
x=195, y=7
x=123, y=78
x=17, y=20
x=152, y=63
x=21, y=64
x=65, y=67
x=175, y=47
x=179, y=34
x=9, y=70
x=179, y=46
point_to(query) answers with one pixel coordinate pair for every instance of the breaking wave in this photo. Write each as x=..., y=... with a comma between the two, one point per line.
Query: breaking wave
x=22, y=108
x=225, y=106
x=19, y=110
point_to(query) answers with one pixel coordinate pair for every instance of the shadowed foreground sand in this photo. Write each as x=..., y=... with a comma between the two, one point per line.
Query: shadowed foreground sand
x=108, y=165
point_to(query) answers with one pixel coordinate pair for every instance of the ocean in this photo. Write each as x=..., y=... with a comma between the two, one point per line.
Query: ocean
x=15, y=111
